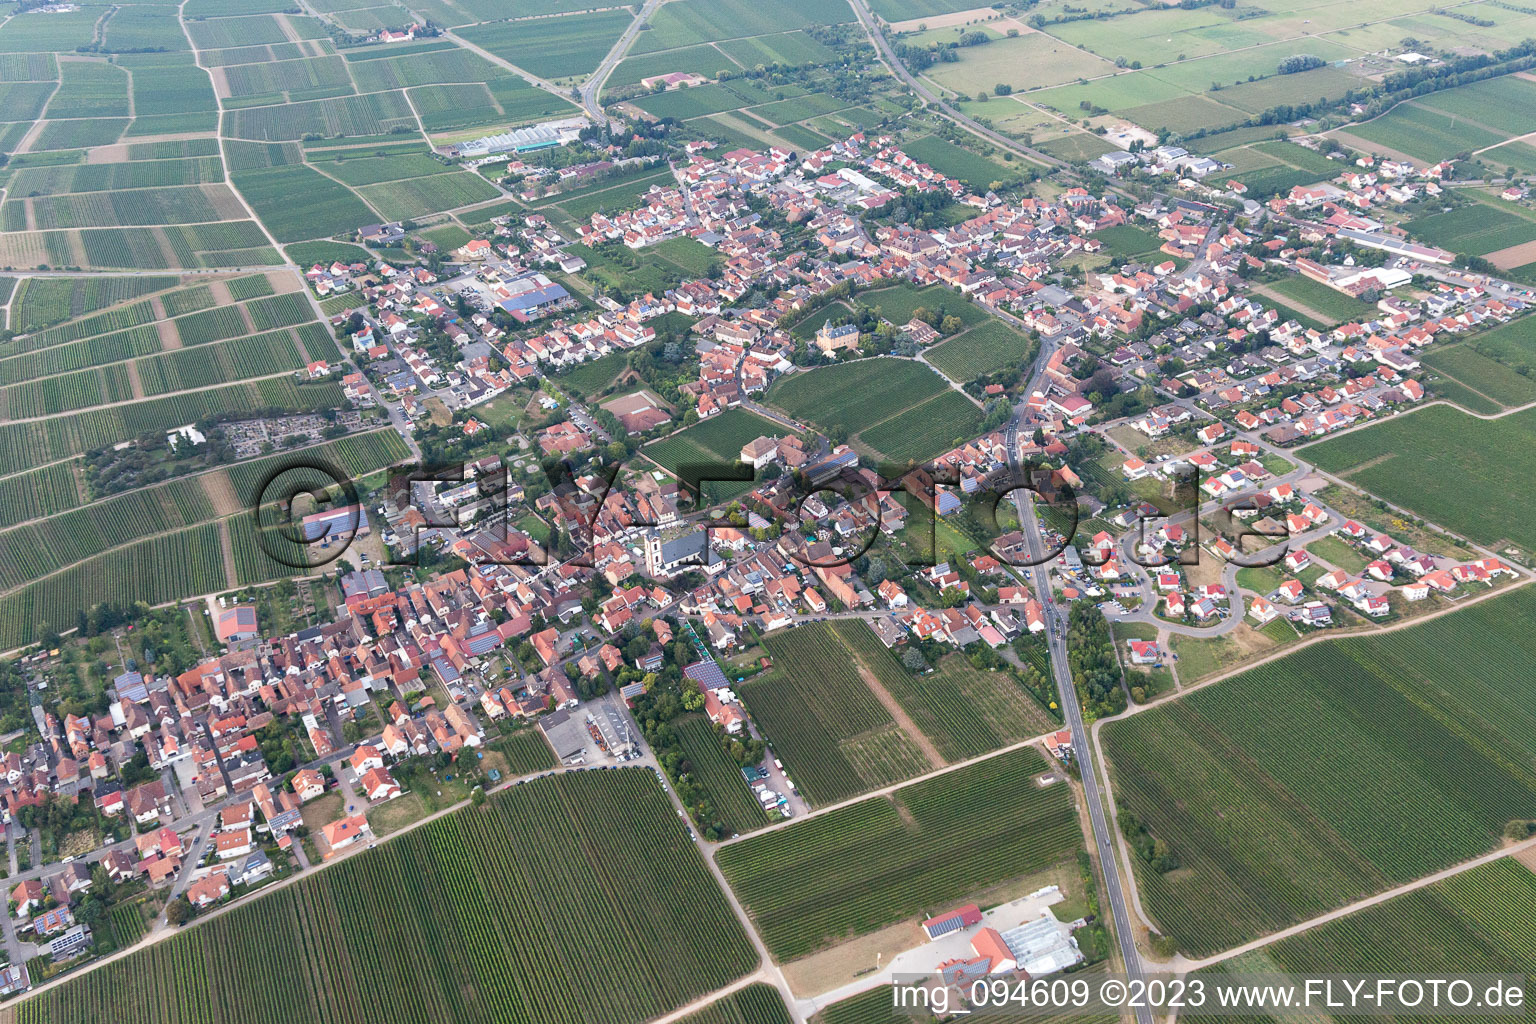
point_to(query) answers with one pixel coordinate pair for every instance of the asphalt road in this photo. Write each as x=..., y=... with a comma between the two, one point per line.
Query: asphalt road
x=1103, y=836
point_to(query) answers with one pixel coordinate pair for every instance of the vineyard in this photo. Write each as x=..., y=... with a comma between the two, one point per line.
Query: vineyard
x=716, y=441
x=40, y=492
x=470, y=916
x=220, y=363
x=116, y=319
x=875, y=1007
x=24, y=445
x=157, y=570
x=823, y=721
x=965, y=711
x=719, y=776
x=928, y=846
x=1342, y=770
x=75, y=355
x=36, y=549
x=983, y=349
x=925, y=430
x=44, y=301
x=857, y=395
x=755, y=1004
x=1477, y=922
x=1422, y=461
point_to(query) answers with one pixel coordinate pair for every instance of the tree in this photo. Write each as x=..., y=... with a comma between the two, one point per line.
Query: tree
x=179, y=911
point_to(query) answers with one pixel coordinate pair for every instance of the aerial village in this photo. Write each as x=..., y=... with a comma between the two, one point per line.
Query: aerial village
x=1171, y=394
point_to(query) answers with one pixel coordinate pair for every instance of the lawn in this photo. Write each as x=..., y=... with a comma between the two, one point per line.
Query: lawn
x=1427, y=740
x=872, y=864
x=1466, y=474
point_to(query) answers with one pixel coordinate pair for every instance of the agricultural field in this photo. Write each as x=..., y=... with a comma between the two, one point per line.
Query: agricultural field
x=160, y=569
x=926, y=430
x=966, y=711
x=871, y=864
x=1335, y=305
x=39, y=548
x=1485, y=376
x=23, y=445
x=824, y=722
x=1424, y=134
x=855, y=396
x=975, y=170
x=39, y=492
x=1470, y=923
x=899, y=303
x=1476, y=230
x=755, y=1004
x=554, y=48
x=1422, y=461
x=297, y=202
x=1425, y=736
x=464, y=925
x=983, y=349
x=715, y=442
x=719, y=776
x=43, y=301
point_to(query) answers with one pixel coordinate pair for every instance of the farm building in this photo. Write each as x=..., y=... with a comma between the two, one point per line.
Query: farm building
x=237, y=624
x=954, y=920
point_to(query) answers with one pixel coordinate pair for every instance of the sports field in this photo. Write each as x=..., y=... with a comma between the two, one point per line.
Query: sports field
x=1388, y=758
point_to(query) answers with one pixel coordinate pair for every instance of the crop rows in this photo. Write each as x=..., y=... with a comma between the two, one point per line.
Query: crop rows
x=25, y=445
x=756, y=1004
x=853, y=396
x=157, y=570
x=108, y=177
x=353, y=456
x=210, y=325
x=33, y=550
x=449, y=917
x=713, y=769
x=39, y=492
x=875, y=862
x=180, y=204
x=1388, y=758
x=280, y=311
x=49, y=396
x=220, y=363
x=966, y=711
x=983, y=349
x=926, y=430
x=813, y=706
x=75, y=355
x=1477, y=922
x=252, y=286
x=43, y=301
